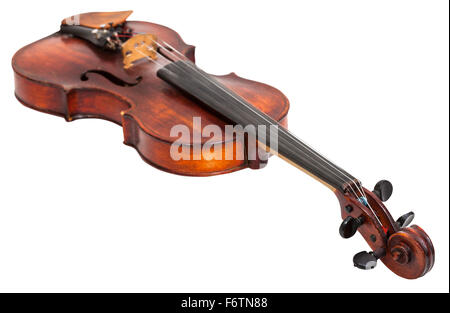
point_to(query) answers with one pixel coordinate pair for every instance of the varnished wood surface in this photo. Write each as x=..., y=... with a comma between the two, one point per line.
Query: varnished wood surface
x=61, y=75
x=48, y=76
x=98, y=19
x=409, y=252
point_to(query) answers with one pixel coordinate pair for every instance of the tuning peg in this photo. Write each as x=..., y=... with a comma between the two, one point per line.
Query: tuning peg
x=405, y=220
x=383, y=190
x=368, y=260
x=349, y=226
x=365, y=260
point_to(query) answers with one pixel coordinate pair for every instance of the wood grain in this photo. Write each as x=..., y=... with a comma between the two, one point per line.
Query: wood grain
x=48, y=79
x=98, y=19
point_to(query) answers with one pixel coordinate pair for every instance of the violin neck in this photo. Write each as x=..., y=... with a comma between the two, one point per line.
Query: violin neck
x=192, y=80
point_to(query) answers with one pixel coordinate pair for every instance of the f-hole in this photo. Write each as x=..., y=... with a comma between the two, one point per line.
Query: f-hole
x=113, y=79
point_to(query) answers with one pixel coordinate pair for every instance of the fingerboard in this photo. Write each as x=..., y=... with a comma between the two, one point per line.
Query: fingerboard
x=213, y=94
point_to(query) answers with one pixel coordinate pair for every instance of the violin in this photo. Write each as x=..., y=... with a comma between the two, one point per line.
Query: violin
x=185, y=121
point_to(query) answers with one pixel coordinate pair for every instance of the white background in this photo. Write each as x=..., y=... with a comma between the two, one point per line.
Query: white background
x=79, y=211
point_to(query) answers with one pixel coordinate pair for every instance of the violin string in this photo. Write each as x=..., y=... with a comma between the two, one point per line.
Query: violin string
x=255, y=111
x=149, y=58
x=181, y=57
x=370, y=207
x=156, y=51
x=208, y=78
x=152, y=60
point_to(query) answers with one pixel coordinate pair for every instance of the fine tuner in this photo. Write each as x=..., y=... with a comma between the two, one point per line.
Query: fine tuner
x=143, y=77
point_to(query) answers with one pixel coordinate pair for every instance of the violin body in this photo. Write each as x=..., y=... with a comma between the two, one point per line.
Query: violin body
x=80, y=80
x=88, y=70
